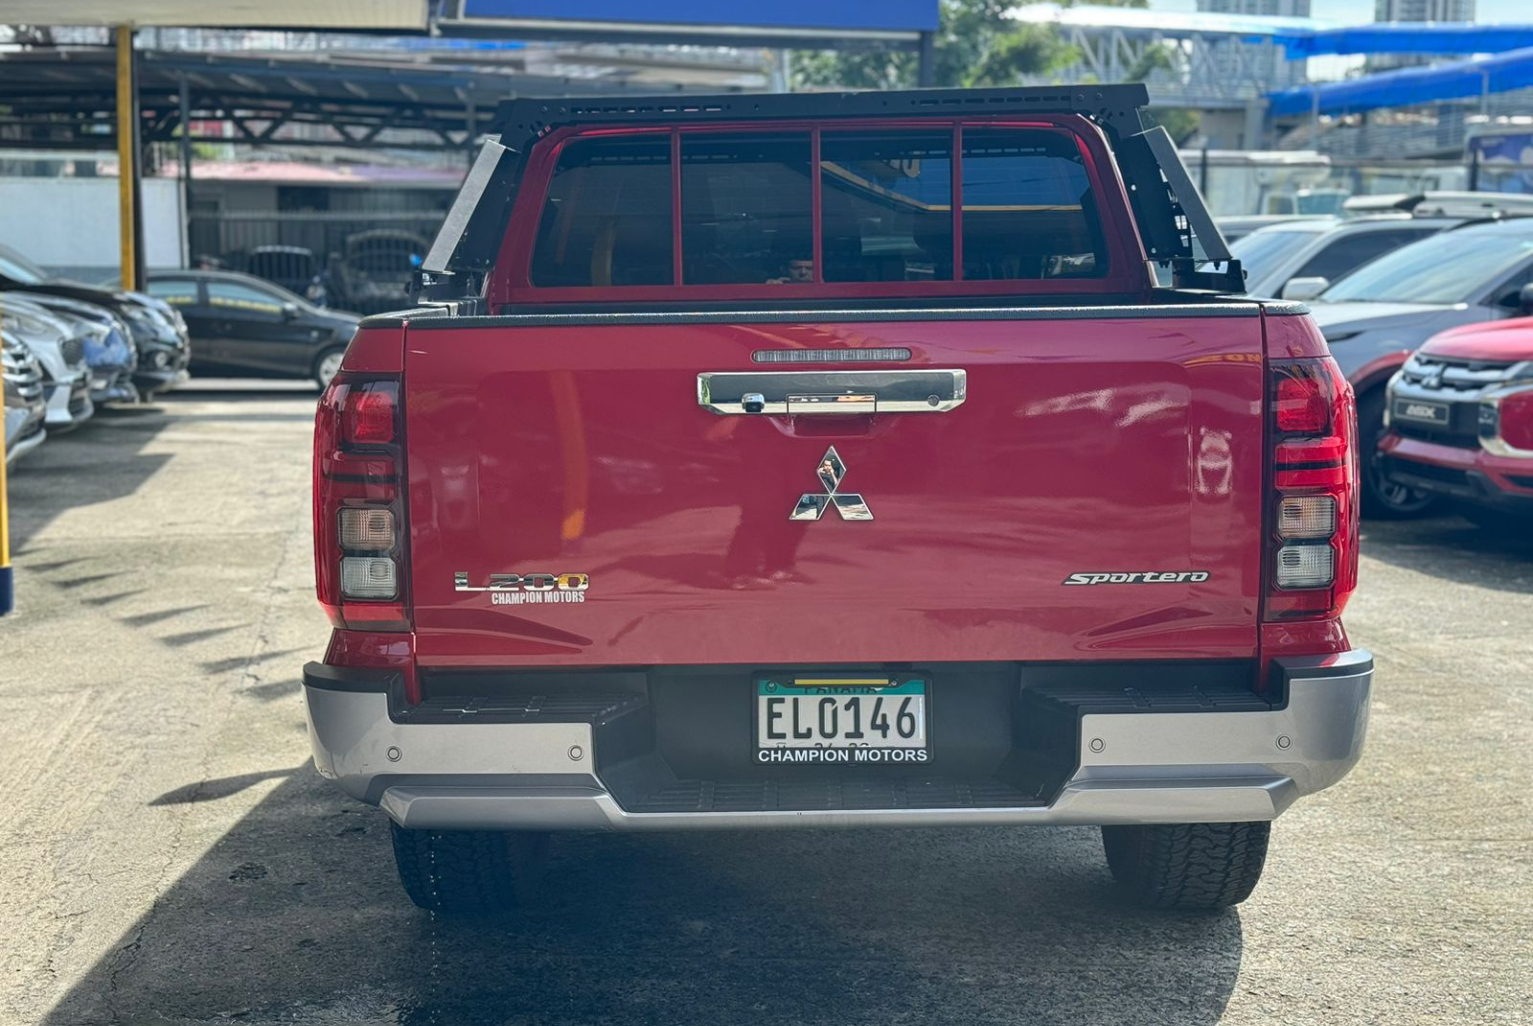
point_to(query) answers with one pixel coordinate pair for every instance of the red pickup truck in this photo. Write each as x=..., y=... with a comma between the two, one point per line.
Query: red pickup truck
x=835, y=461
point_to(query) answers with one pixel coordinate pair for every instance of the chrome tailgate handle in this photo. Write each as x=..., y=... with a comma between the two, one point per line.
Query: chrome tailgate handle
x=831, y=393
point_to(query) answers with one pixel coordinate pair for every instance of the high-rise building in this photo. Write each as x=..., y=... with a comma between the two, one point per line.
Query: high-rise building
x=1416, y=10
x=1423, y=10
x=1268, y=8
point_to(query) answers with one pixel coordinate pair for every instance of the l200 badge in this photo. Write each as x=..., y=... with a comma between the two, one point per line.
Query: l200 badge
x=527, y=589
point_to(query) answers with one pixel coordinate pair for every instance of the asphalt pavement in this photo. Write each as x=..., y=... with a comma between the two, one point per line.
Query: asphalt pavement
x=168, y=855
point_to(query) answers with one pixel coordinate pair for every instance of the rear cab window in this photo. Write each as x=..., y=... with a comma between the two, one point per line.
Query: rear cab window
x=779, y=211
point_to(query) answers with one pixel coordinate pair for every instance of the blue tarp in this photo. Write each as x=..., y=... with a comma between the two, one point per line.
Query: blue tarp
x=1444, y=38
x=1407, y=87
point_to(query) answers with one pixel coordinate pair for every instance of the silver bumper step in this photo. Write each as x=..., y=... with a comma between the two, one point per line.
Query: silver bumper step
x=568, y=765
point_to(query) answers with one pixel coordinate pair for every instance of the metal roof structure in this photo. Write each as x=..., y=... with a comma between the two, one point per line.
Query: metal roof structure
x=394, y=15
x=64, y=98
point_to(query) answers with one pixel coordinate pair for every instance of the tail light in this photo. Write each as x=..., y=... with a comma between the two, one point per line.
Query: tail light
x=359, y=512
x=1312, y=549
x=1506, y=421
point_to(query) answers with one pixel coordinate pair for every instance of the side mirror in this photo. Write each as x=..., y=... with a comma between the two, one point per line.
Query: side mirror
x=1305, y=288
x=1525, y=298
x=289, y=311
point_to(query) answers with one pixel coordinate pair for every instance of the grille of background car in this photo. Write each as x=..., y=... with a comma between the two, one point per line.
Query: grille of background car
x=21, y=369
x=1459, y=375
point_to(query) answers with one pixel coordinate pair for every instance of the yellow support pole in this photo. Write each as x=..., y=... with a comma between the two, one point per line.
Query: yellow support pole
x=7, y=590
x=127, y=157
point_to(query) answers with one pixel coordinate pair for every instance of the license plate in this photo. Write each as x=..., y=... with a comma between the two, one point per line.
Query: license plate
x=1426, y=413
x=841, y=719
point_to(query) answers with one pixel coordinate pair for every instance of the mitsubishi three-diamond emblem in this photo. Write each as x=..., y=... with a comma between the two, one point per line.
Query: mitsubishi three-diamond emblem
x=812, y=505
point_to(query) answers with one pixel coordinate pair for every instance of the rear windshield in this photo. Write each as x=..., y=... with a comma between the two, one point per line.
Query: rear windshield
x=868, y=206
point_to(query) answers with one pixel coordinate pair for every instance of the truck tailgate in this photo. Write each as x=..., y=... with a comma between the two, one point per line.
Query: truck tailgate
x=1090, y=444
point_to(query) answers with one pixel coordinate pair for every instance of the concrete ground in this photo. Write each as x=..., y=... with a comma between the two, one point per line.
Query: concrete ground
x=167, y=854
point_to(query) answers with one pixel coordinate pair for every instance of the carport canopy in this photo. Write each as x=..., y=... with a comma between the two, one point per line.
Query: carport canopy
x=352, y=15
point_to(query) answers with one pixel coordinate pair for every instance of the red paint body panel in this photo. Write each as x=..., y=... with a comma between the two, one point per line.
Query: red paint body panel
x=1510, y=339
x=1499, y=469
x=1084, y=446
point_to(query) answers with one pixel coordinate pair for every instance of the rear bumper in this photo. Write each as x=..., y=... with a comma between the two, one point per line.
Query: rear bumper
x=1468, y=475
x=1181, y=766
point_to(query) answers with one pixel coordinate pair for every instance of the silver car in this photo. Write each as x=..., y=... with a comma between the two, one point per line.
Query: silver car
x=1300, y=259
x=26, y=410
x=59, y=346
x=109, y=349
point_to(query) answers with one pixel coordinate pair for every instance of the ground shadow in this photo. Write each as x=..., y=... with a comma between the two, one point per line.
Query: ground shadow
x=295, y=915
x=100, y=461
x=1452, y=548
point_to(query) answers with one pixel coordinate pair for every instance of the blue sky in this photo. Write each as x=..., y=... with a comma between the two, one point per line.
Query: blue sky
x=1358, y=11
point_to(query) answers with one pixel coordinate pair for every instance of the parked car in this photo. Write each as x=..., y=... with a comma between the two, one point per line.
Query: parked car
x=243, y=325
x=761, y=532
x=26, y=404
x=1238, y=226
x=1460, y=422
x=59, y=346
x=1378, y=315
x=159, y=340
x=109, y=350
x=376, y=267
x=1300, y=259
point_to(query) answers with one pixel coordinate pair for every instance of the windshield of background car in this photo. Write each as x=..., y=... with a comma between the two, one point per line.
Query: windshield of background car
x=1453, y=267
x=1261, y=251
x=18, y=268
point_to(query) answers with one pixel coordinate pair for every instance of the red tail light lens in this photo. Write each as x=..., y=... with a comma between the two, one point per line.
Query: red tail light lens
x=1300, y=406
x=1312, y=549
x=359, y=510
x=368, y=413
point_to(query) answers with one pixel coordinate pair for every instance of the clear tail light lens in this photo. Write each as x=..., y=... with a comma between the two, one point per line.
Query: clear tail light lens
x=366, y=529
x=368, y=577
x=1305, y=566
x=1307, y=516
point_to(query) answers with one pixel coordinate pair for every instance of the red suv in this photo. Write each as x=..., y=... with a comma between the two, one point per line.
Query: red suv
x=1460, y=421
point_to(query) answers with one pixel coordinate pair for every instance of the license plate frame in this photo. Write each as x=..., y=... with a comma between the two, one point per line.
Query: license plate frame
x=1441, y=414
x=896, y=700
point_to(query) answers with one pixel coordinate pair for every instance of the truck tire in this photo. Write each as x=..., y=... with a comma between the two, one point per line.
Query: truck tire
x=468, y=872
x=1197, y=866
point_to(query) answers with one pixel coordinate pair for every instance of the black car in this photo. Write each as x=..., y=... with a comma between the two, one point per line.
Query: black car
x=245, y=326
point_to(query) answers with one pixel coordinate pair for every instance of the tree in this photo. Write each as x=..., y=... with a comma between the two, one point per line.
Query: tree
x=977, y=43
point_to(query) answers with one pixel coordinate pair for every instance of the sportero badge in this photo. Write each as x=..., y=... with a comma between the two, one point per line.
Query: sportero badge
x=812, y=505
x=1140, y=577
x=527, y=589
